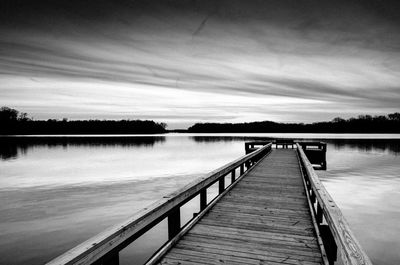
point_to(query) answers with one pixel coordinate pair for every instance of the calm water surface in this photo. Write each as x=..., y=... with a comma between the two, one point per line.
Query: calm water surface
x=56, y=192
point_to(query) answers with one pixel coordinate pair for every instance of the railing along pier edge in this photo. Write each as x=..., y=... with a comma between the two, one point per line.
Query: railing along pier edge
x=105, y=246
x=324, y=207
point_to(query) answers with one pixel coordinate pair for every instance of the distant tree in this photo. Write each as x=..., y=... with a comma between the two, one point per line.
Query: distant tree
x=12, y=115
x=164, y=125
x=338, y=120
x=15, y=122
x=394, y=116
x=23, y=116
x=8, y=114
x=361, y=124
x=365, y=117
x=380, y=118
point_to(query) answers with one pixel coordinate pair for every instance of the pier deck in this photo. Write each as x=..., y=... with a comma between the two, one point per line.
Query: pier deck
x=264, y=219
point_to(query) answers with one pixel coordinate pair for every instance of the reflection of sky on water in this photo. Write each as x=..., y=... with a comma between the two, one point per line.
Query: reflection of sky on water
x=59, y=192
x=364, y=180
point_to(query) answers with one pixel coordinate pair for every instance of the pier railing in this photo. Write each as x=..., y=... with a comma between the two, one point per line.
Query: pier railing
x=316, y=153
x=254, y=145
x=104, y=248
x=333, y=231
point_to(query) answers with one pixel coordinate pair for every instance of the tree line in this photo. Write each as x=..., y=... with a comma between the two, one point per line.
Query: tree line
x=14, y=122
x=362, y=124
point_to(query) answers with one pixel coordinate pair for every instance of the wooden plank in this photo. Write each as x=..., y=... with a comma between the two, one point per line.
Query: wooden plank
x=271, y=194
x=271, y=227
x=309, y=246
x=250, y=257
x=243, y=246
x=269, y=209
x=275, y=204
x=266, y=199
x=270, y=255
x=273, y=212
x=261, y=217
x=227, y=257
x=249, y=247
x=251, y=235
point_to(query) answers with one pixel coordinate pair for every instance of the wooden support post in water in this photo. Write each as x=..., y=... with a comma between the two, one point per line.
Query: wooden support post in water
x=221, y=185
x=111, y=258
x=329, y=243
x=312, y=197
x=233, y=175
x=174, y=223
x=319, y=214
x=203, y=199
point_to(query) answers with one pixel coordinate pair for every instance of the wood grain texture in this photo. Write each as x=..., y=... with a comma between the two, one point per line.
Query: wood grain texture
x=264, y=219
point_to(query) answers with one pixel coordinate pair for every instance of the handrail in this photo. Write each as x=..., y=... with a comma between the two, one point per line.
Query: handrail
x=319, y=145
x=351, y=250
x=114, y=239
x=251, y=145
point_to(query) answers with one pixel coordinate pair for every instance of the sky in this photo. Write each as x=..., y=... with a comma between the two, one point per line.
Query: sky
x=188, y=61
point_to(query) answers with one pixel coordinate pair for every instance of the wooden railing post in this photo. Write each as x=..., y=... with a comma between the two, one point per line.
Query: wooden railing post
x=174, y=223
x=203, y=199
x=329, y=243
x=241, y=169
x=312, y=197
x=221, y=185
x=111, y=258
x=319, y=214
x=233, y=175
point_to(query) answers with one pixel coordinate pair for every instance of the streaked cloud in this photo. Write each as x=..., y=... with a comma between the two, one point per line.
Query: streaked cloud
x=184, y=62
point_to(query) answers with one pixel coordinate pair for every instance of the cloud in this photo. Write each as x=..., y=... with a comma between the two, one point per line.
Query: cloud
x=203, y=60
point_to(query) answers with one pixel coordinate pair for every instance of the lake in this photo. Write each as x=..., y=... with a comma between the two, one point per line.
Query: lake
x=57, y=191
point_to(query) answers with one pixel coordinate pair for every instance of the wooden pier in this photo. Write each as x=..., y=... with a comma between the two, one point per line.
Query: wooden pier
x=274, y=211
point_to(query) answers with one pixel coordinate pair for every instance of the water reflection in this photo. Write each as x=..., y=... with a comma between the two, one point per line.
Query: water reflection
x=391, y=146
x=363, y=145
x=213, y=139
x=59, y=191
x=12, y=147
